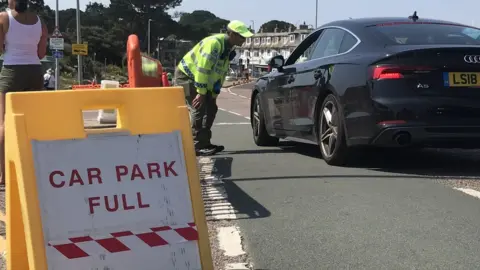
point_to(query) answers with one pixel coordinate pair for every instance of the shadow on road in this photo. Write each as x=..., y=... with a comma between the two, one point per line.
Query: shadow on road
x=426, y=162
x=246, y=206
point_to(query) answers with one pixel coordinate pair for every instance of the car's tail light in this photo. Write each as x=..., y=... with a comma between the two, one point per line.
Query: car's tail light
x=396, y=72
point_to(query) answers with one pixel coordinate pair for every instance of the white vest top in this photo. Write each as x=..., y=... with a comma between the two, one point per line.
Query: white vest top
x=21, y=42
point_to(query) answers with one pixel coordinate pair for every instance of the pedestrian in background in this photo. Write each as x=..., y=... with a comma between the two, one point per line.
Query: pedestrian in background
x=49, y=80
x=202, y=72
x=23, y=37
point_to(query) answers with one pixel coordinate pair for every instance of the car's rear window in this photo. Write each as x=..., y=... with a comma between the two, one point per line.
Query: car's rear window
x=427, y=33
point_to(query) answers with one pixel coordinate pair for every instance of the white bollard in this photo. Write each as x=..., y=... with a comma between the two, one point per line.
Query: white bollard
x=108, y=116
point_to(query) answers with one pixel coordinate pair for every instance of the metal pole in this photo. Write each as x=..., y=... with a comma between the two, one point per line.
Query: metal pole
x=57, y=67
x=148, y=36
x=316, y=14
x=253, y=25
x=79, y=41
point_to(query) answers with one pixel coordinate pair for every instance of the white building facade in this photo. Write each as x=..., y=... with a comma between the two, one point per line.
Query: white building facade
x=260, y=48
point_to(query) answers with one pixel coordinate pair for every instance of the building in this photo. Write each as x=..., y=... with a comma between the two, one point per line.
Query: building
x=259, y=49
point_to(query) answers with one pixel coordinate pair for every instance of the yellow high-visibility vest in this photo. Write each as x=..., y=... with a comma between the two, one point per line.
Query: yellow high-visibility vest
x=205, y=65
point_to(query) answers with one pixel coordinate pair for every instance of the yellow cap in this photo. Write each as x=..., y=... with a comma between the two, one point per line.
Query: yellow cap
x=239, y=28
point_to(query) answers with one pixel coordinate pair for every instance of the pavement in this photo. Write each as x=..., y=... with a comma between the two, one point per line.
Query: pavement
x=282, y=207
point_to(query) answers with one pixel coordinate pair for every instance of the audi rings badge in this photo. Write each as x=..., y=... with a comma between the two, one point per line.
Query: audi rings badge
x=472, y=59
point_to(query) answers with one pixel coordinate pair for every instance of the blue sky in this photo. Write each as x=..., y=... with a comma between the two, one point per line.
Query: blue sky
x=260, y=11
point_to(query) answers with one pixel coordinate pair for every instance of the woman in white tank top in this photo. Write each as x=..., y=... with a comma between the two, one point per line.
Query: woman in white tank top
x=23, y=42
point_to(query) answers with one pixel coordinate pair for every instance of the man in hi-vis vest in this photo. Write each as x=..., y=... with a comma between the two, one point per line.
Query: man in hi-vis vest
x=202, y=72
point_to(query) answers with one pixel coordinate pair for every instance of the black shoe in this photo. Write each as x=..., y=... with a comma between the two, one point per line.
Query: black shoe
x=205, y=151
x=218, y=148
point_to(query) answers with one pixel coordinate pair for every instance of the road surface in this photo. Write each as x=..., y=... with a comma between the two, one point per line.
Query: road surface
x=391, y=210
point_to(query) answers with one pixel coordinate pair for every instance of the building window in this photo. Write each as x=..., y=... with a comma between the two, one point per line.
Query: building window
x=262, y=52
x=257, y=40
x=292, y=38
x=255, y=53
x=269, y=40
x=263, y=41
x=249, y=40
x=269, y=52
x=275, y=40
x=247, y=54
x=303, y=36
x=285, y=39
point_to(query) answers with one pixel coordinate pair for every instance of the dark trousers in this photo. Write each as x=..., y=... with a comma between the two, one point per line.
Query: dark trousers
x=202, y=118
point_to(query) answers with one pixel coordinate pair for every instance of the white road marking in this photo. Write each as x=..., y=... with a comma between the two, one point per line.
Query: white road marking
x=229, y=91
x=231, y=124
x=235, y=113
x=470, y=192
x=237, y=266
x=217, y=207
x=214, y=194
x=230, y=241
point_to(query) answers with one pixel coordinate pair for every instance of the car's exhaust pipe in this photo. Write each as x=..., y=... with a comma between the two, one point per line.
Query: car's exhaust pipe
x=402, y=138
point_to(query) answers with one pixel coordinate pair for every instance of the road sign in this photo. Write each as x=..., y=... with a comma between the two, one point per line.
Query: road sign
x=123, y=198
x=80, y=49
x=56, y=43
x=58, y=54
x=56, y=33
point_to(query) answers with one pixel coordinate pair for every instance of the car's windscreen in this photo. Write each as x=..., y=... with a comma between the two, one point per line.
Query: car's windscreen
x=427, y=34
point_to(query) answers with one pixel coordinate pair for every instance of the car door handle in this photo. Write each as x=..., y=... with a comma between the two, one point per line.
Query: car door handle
x=317, y=74
x=290, y=79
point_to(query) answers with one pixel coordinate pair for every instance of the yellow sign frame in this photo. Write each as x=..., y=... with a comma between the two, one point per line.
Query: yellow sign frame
x=80, y=49
x=36, y=116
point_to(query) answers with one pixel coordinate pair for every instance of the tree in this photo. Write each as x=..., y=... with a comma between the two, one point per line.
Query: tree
x=106, y=27
x=280, y=25
x=203, y=21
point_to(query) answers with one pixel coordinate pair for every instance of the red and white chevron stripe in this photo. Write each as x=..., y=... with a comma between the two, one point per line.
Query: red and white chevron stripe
x=114, y=243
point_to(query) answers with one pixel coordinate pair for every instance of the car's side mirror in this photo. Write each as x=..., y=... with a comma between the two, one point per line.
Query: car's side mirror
x=277, y=62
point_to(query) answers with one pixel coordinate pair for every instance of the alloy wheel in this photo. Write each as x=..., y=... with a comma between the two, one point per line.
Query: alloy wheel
x=329, y=129
x=256, y=118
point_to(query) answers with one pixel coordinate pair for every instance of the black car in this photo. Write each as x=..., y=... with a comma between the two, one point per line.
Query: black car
x=401, y=82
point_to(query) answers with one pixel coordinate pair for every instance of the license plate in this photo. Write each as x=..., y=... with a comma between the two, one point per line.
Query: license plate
x=461, y=79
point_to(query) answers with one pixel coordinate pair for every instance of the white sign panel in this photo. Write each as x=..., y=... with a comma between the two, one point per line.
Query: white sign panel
x=56, y=43
x=116, y=202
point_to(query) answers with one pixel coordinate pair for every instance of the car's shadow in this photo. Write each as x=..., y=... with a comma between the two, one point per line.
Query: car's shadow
x=428, y=162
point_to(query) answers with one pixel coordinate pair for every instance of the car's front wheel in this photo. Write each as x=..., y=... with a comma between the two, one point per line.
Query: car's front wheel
x=331, y=132
x=260, y=134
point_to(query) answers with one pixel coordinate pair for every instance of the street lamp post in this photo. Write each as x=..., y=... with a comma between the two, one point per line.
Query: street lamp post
x=57, y=66
x=79, y=41
x=148, y=35
x=253, y=25
x=316, y=14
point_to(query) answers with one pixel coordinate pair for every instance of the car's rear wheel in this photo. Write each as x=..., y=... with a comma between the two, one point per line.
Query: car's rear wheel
x=331, y=132
x=260, y=134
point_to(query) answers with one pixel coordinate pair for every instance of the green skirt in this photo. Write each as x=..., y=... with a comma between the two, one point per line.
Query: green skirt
x=17, y=78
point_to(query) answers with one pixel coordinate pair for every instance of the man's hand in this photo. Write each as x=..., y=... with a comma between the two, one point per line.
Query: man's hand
x=198, y=101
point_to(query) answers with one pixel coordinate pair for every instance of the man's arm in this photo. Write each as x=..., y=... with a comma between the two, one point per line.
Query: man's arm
x=209, y=54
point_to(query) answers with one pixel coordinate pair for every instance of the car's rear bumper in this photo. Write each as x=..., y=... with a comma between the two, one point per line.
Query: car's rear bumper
x=428, y=136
